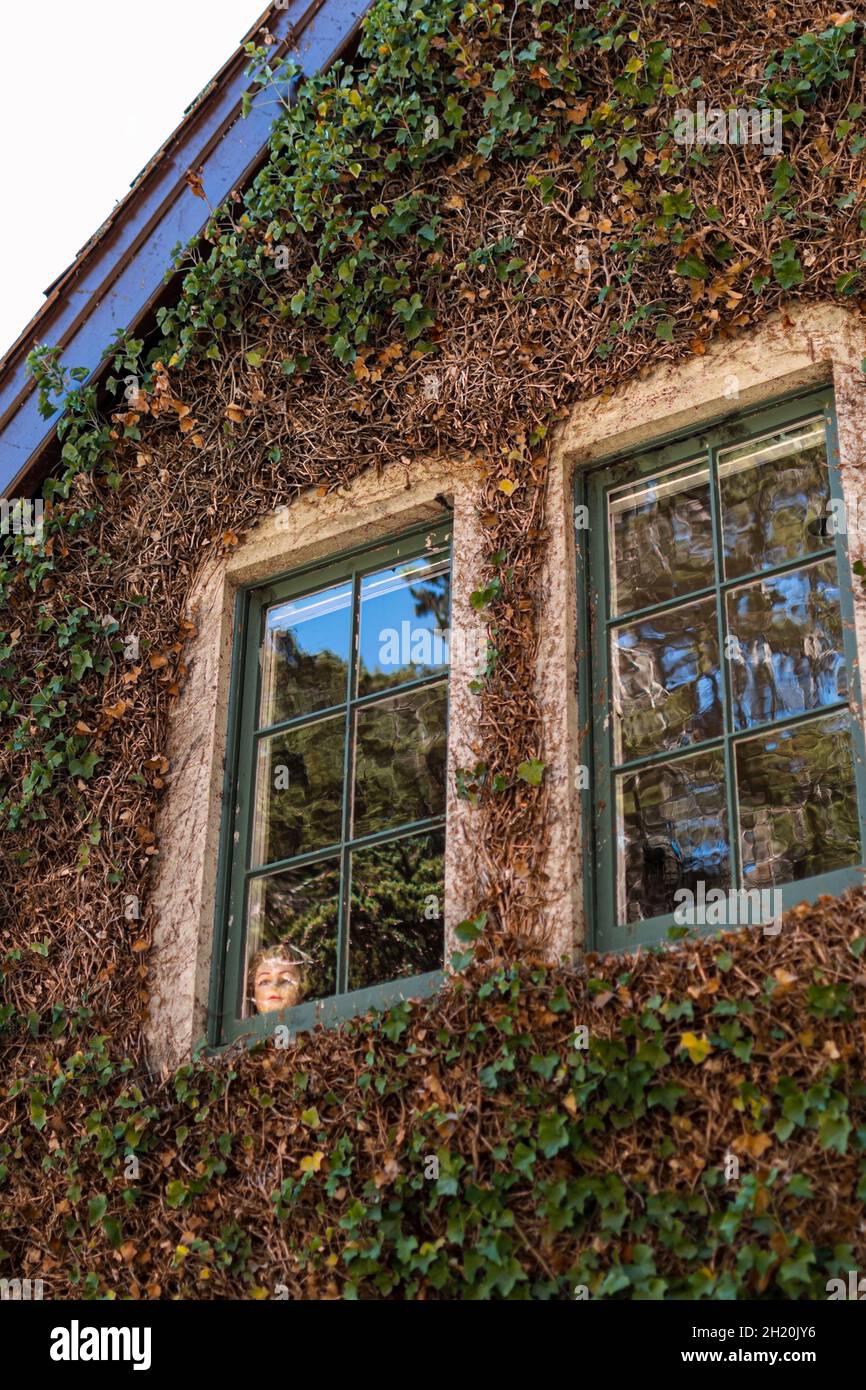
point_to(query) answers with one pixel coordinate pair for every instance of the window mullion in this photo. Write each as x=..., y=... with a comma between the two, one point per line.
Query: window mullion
x=241, y=810
x=846, y=605
x=348, y=781
x=799, y=562
x=597, y=575
x=667, y=755
x=724, y=659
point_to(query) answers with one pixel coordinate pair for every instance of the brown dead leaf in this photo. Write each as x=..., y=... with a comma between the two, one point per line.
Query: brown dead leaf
x=752, y=1144
x=193, y=179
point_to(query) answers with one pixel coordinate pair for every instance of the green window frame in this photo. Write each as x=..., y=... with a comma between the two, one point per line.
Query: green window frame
x=613, y=849
x=241, y=821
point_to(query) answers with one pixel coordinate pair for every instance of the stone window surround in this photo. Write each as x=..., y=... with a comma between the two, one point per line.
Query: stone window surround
x=375, y=507
x=806, y=348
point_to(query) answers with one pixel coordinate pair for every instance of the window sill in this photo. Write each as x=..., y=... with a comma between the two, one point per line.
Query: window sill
x=328, y=1013
x=653, y=931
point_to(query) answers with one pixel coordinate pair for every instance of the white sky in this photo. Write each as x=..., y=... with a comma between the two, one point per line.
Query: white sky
x=89, y=90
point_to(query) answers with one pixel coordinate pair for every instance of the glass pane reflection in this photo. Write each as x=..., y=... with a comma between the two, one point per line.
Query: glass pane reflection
x=305, y=656
x=788, y=657
x=667, y=682
x=661, y=539
x=299, y=788
x=672, y=832
x=291, y=947
x=400, y=755
x=773, y=493
x=404, y=623
x=798, y=802
x=396, y=926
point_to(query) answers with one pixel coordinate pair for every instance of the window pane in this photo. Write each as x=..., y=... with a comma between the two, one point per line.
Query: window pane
x=299, y=791
x=306, y=654
x=788, y=657
x=773, y=493
x=661, y=539
x=798, y=802
x=396, y=926
x=667, y=682
x=291, y=954
x=400, y=760
x=404, y=623
x=672, y=832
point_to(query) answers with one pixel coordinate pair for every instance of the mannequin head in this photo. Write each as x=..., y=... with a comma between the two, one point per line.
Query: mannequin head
x=277, y=979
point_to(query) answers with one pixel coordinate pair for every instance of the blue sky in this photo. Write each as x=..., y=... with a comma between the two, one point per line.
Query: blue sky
x=89, y=90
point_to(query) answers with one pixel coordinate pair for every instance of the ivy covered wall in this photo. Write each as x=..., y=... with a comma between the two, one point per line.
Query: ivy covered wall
x=493, y=216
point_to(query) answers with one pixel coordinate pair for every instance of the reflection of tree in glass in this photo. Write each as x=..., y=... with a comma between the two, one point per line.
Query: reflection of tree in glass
x=302, y=681
x=432, y=597
x=400, y=760
x=663, y=545
x=300, y=909
x=798, y=805
x=789, y=656
x=306, y=814
x=768, y=508
x=396, y=905
x=674, y=819
x=668, y=686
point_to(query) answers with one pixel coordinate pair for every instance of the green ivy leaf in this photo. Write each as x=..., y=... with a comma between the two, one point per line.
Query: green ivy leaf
x=84, y=767
x=471, y=929
x=96, y=1209
x=552, y=1134
x=786, y=266
x=833, y=1131
x=693, y=267
x=532, y=772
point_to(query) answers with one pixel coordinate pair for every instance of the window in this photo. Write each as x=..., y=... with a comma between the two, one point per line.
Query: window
x=334, y=838
x=727, y=741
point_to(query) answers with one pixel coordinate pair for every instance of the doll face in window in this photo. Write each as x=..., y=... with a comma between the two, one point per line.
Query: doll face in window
x=277, y=986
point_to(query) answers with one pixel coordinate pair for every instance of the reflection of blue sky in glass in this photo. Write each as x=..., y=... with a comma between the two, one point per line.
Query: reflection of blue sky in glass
x=677, y=658
x=318, y=622
x=404, y=622
x=700, y=840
